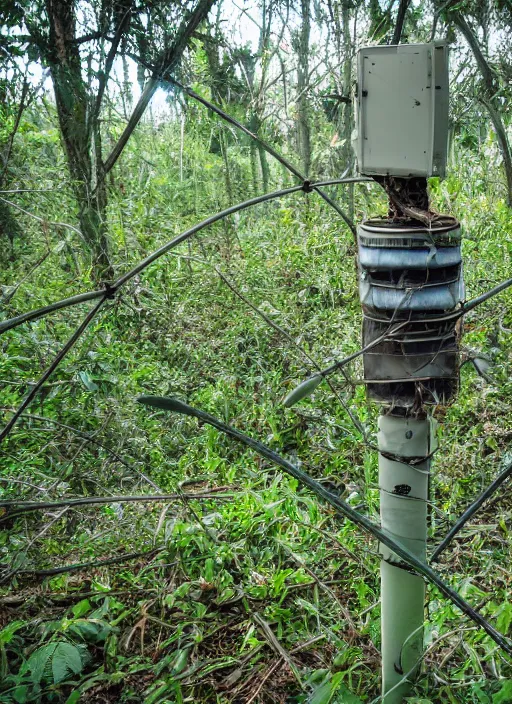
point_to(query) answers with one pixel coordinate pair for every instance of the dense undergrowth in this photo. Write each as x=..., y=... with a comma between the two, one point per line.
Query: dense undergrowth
x=253, y=591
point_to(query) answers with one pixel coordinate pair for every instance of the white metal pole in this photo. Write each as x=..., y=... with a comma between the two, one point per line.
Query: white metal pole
x=403, y=510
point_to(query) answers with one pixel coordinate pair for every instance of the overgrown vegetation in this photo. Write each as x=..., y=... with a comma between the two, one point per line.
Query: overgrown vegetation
x=241, y=587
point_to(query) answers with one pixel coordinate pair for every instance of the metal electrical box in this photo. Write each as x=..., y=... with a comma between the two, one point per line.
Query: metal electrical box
x=402, y=110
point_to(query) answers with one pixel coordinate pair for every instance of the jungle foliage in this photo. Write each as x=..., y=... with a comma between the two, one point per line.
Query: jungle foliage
x=201, y=572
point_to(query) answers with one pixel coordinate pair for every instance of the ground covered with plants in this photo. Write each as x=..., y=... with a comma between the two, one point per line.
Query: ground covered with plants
x=201, y=572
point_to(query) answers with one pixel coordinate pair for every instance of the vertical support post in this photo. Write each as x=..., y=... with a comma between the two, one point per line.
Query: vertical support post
x=403, y=508
x=410, y=269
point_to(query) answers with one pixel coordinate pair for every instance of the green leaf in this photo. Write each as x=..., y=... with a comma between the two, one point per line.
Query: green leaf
x=504, y=618
x=157, y=695
x=303, y=390
x=21, y=694
x=345, y=696
x=38, y=661
x=81, y=608
x=504, y=696
x=56, y=660
x=482, y=697
x=209, y=570
x=180, y=662
x=91, y=631
x=73, y=697
x=20, y=560
x=66, y=660
x=7, y=633
x=89, y=384
x=322, y=694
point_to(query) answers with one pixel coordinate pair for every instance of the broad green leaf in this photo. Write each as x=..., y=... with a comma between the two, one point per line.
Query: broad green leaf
x=209, y=570
x=504, y=618
x=180, y=662
x=39, y=660
x=21, y=694
x=504, y=696
x=345, y=696
x=20, y=560
x=66, y=660
x=482, y=697
x=157, y=695
x=330, y=687
x=7, y=633
x=322, y=694
x=91, y=631
x=81, y=608
x=89, y=384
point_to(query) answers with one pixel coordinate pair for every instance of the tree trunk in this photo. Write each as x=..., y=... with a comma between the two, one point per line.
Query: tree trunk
x=254, y=166
x=165, y=65
x=126, y=92
x=143, y=49
x=490, y=89
x=220, y=92
x=9, y=226
x=402, y=10
x=265, y=171
x=74, y=105
x=501, y=135
x=339, y=11
x=347, y=107
x=303, y=116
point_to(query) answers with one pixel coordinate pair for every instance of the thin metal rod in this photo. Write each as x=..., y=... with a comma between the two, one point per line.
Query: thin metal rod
x=91, y=295
x=471, y=510
x=348, y=179
x=53, y=366
x=267, y=147
x=343, y=362
x=171, y=404
x=204, y=223
x=27, y=506
x=42, y=220
x=232, y=121
x=45, y=310
x=95, y=563
x=110, y=290
x=88, y=438
x=485, y=296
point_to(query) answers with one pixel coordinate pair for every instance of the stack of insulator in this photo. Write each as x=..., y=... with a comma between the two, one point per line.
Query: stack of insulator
x=411, y=278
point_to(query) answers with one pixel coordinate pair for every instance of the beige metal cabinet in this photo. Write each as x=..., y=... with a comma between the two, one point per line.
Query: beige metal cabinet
x=402, y=110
